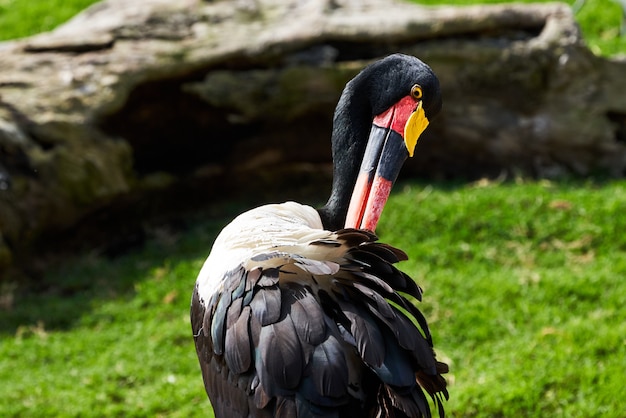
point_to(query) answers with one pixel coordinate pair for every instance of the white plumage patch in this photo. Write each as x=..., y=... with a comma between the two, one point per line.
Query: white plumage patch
x=287, y=228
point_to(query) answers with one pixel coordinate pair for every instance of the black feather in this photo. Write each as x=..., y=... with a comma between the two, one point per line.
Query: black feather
x=382, y=306
x=241, y=285
x=280, y=361
x=375, y=282
x=266, y=305
x=238, y=350
x=307, y=409
x=411, y=402
x=218, y=323
x=396, y=368
x=269, y=277
x=285, y=408
x=261, y=398
x=385, y=252
x=329, y=369
x=366, y=334
x=408, y=337
x=308, y=319
x=327, y=242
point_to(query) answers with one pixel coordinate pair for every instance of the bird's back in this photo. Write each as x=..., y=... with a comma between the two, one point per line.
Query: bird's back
x=310, y=323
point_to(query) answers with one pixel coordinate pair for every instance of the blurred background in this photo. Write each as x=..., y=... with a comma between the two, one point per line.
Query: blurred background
x=132, y=134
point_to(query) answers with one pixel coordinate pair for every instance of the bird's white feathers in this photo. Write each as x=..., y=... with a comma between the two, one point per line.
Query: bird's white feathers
x=282, y=229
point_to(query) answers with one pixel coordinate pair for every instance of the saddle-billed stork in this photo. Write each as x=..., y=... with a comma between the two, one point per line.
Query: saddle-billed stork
x=299, y=312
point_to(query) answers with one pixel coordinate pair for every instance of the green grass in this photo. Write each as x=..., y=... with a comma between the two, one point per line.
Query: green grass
x=523, y=284
x=525, y=291
x=21, y=18
x=107, y=338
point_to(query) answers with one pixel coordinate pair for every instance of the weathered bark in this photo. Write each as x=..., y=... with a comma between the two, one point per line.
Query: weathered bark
x=140, y=108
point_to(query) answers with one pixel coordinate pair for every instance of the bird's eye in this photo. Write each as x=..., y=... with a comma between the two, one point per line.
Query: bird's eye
x=416, y=92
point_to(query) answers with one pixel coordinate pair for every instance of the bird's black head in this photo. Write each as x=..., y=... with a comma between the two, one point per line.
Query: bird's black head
x=378, y=120
x=387, y=81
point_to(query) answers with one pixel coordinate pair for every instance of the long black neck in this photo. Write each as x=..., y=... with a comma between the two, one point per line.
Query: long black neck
x=371, y=92
x=351, y=126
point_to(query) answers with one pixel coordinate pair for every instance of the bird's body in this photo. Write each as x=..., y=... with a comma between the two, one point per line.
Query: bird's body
x=295, y=317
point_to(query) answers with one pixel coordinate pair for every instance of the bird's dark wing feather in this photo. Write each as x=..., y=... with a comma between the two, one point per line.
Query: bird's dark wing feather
x=306, y=338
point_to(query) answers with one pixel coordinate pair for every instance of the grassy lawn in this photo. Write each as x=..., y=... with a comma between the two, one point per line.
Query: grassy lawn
x=524, y=291
x=21, y=18
x=524, y=288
